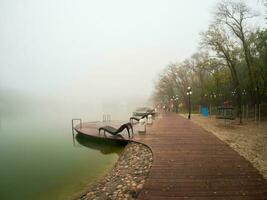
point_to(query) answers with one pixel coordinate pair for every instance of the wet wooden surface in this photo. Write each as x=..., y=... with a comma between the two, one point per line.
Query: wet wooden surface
x=91, y=129
x=191, y=163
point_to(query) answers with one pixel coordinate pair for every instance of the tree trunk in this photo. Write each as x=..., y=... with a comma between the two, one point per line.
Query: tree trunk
x=239, y=104
x=238, y=90
x=201, y=89
x=253, y=93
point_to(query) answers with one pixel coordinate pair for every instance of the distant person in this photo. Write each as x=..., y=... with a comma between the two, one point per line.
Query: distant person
x=165, y=108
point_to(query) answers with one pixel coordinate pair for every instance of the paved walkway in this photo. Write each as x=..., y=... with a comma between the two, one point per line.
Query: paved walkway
x=191, y=163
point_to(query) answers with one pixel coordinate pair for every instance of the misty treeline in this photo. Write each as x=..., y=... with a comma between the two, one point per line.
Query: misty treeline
x=229, y=68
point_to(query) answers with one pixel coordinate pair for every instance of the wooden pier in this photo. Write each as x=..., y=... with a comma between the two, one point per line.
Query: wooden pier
x=91, y=129
x=191, y=163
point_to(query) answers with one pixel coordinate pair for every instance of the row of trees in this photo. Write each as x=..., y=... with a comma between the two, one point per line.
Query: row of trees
x=231, y=65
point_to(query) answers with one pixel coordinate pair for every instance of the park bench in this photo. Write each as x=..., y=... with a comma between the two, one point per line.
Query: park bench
x=137, y=118
x=226, y=113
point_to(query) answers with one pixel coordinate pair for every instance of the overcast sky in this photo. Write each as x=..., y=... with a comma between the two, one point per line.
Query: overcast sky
x=98, y=48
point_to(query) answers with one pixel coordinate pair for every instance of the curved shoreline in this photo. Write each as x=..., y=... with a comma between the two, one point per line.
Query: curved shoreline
x=127, y=177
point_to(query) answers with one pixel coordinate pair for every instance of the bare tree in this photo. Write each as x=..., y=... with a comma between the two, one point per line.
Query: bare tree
x=217, y=40
x=164, y=88
x=234, y=16
x=198, y=63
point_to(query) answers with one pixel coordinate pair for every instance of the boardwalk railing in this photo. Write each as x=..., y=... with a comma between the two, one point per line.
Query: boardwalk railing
x=72, y=124
x=106, y=118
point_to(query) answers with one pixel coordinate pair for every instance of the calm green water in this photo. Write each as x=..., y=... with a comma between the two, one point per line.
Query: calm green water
x=39, y=158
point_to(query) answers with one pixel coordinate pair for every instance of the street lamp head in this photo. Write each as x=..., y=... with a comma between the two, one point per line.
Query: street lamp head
x=189, y=92
x=233, y=93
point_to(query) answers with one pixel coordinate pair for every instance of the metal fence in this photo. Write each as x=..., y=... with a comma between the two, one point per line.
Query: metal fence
x=249, y=112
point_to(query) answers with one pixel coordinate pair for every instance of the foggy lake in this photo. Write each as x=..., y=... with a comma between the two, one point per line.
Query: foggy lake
x=39, y=158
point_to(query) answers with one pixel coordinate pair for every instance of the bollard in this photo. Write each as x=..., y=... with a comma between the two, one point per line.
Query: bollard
x=149, y=120
x=142, y=126
x=145, y=119
x=156, y=113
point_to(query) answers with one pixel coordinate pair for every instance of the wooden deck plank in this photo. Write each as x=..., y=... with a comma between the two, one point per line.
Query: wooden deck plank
x=191, y=163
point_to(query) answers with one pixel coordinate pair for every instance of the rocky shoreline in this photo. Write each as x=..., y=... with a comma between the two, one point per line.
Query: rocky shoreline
x=126, y=179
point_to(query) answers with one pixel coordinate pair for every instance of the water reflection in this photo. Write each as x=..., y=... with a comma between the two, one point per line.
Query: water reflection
x=29, y=146
x=104, y=146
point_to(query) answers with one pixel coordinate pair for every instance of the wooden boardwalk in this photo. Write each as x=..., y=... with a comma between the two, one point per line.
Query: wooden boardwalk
x=191, y=163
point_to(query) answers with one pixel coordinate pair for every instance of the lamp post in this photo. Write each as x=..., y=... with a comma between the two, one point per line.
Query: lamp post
x=189, y=92
x=213, y=96
x=166, y=102
x=212, y=101
x=171, y=104
x=175, y=101
x=233, y=93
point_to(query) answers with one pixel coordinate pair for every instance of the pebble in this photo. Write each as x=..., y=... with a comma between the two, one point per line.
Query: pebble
x=139, y=187
x=119, y=186
x=126, y=179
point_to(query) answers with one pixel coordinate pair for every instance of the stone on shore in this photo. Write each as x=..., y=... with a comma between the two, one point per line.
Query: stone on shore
x=127, y=178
